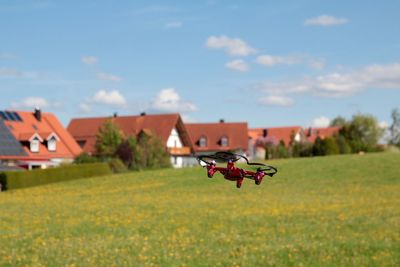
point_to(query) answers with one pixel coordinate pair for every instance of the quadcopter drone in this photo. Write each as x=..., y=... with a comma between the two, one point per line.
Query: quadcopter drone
x=232, y=173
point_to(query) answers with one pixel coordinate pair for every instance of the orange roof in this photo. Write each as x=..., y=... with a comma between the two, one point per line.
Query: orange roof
x=274, y=134
x=28, y=126
x=85, y=129
x=313, y=133
x=235, y=132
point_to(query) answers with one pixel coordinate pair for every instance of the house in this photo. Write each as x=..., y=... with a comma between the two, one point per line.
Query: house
x=169, y=127
x=259, y=137
x=34, y=140
x=313, y=133
x=209, y=138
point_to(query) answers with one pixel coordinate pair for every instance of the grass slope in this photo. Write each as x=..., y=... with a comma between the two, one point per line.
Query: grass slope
x=339, y=210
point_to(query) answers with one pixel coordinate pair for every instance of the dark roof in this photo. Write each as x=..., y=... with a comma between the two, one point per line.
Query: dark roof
x=9, y=145
x=235, y=132
x=86, y=129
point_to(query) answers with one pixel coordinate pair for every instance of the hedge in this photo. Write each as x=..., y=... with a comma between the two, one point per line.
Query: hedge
x=21, y=179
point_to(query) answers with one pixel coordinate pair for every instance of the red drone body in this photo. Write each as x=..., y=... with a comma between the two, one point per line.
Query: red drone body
x=232, y=173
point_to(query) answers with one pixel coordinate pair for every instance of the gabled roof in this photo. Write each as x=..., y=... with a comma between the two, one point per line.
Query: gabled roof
x=313, y=133
x=275, y=134
x=235, y=132
x=86, y=129
x=28, y=126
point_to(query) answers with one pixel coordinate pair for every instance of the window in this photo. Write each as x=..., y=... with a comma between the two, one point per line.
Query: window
x=52, y=144
x=35, y=145
x=203, y=141
x=81, y=143
x=224, y=141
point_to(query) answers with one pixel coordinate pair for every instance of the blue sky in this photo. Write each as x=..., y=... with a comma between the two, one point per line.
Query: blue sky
x=270, y=63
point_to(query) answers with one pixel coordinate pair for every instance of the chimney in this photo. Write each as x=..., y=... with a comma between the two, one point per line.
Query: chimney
x=265, y=133
x=309, y=131
x=143, y=114
x=221, y=121
x=115, y=114
x=38, y=114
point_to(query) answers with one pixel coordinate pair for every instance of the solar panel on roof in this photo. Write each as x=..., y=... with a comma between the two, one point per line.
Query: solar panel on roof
x=3, y=115
x=17, y=116
x=10, y=115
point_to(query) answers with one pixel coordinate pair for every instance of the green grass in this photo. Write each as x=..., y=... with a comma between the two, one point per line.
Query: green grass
x=328, y=211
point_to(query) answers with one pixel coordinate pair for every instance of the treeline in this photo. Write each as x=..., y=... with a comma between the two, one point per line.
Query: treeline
x=360, y=134
x=144, y=151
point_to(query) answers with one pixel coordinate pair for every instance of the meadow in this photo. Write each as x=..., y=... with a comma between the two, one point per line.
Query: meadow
x=323, y=211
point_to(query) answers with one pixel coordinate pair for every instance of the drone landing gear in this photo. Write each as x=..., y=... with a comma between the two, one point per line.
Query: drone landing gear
x=239, y=183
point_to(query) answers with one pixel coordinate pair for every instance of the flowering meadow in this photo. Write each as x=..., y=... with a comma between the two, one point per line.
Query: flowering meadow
x=325, y=211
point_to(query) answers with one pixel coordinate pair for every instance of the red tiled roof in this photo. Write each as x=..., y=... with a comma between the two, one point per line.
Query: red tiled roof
x=274, y=134
x=29, y=126
x=321, y=133
x=86, y=129
x=235, y=132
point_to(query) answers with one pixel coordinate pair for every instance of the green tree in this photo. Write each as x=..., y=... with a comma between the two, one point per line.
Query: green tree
x=362, y=133
x=342, y=144
x=330, y=146
x=338, y=121
x=152, y=152
x=127, y=152
x=318, y=147
x=108, y=139
x=394, y=128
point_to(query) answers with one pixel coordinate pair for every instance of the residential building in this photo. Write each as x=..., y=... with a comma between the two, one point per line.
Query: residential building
x=313, y=133
x=208, y=138
x=260, y=137
x=168, y=127
x=34, y=140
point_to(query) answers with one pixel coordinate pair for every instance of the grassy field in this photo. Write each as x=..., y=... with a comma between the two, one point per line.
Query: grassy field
x=328, y=211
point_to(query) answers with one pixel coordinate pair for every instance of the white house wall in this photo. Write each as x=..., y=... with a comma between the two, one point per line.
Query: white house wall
x=174, y=140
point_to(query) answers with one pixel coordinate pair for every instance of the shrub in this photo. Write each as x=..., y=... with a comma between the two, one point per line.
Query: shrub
x=117, y=166
x=84, y=158
x=14, y=180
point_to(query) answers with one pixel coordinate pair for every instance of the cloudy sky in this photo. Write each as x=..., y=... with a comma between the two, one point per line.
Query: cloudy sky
x=270, y=63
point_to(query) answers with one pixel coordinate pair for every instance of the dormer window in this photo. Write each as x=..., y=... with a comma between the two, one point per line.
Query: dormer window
x=35, y=143
x=224, y=141
x=52, y=142
x=203, y=141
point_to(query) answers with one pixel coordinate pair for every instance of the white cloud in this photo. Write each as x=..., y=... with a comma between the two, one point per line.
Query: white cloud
x=341, y=84
x=269, y=60
x=317, y=63
x=173, y=25
x=325, y=20
x=169, y=100
x=108, y=77
x=112, y=97
x=232, y=46
x=321, y=122
x=31, y=102
x=237, y=65
x=89, y=60
x=276, y=100
x=85, y=108
x=383, y=124
x=11, y=73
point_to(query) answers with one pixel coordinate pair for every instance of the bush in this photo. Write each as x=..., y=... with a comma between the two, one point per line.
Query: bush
x=15, y=180
x=117, y=166
x=84, y=158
